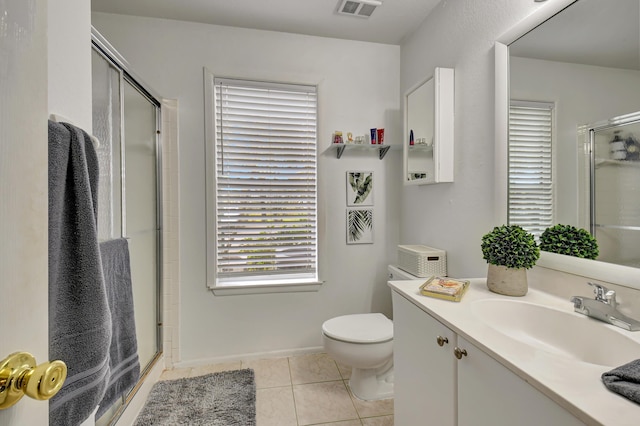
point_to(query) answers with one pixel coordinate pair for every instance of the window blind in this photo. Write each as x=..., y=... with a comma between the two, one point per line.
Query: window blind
x=530, y=166
x=265, y=181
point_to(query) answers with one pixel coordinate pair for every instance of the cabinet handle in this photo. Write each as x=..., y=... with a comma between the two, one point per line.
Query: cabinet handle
x=442, y=340
x=459, y=353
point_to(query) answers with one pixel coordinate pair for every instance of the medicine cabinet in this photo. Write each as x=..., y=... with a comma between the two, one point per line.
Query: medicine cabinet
x=428, y=130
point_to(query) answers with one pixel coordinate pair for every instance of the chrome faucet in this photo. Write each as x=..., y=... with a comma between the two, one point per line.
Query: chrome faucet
x=604, y=307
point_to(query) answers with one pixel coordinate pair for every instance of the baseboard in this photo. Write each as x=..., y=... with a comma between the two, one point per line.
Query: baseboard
x=128, y=416
x=249, y=357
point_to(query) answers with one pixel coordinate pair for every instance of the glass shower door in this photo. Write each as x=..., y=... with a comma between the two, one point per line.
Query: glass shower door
x=107, y=116
x=141, y=215
x=125, y=120
x=615, y=191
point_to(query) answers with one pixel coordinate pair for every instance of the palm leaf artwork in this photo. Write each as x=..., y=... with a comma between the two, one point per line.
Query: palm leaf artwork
x=361, y=183
x=358, y=222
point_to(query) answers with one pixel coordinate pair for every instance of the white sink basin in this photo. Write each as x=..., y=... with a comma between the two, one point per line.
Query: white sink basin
x=559, y=332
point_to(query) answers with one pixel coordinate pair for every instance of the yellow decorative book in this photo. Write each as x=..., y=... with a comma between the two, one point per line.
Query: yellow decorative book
x=444, y=288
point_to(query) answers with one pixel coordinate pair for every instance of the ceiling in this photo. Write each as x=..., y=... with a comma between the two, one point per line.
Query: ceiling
x=587, y=33
x=388, y=24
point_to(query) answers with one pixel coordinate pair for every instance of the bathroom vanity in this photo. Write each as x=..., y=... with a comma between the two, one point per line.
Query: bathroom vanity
x=498, y=360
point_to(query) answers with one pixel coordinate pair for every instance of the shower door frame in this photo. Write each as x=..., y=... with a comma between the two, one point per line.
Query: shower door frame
x=106, y=51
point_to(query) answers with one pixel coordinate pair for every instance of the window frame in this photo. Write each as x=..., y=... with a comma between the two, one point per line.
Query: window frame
x=242, y=285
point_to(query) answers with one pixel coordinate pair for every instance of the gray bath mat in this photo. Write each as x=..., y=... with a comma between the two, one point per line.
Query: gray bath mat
x=227, y=398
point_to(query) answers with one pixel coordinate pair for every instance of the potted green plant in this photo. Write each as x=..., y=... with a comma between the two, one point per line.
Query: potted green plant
x=510, y=251
x=569, y=240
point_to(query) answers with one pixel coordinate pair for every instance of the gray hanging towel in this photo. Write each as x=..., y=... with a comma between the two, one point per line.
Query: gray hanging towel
x=79, y=316
x=124, y=363
x=624, y=380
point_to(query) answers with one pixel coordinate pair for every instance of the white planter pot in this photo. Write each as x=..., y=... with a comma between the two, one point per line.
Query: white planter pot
x=507, y=281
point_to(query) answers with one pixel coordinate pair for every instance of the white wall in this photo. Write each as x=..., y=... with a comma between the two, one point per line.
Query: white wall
x=358, y=87
x=582, y=94
x=69, y=37
x=454, y=216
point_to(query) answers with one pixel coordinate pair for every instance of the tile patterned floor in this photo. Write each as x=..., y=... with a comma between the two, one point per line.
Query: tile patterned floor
x=303, y=390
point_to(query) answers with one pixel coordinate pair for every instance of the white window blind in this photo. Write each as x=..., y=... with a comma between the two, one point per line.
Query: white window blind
x=530, y=166
x=265, y=182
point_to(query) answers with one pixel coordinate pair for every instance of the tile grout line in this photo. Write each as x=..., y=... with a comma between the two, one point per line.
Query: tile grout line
x=293, y=395
x=344, y=383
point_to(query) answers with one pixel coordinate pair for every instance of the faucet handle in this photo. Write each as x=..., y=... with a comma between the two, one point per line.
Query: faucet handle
x=610, y=297
x=603, y=294
x=599, y=290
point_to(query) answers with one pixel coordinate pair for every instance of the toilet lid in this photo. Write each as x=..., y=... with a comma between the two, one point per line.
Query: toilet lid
x=359, y=328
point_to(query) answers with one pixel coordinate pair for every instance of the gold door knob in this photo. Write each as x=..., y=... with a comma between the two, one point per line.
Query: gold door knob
x=442, y=340
x=19, y=375
x=459, y=353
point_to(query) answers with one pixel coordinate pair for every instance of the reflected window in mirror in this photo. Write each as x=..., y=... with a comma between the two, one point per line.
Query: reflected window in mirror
x=530, y=198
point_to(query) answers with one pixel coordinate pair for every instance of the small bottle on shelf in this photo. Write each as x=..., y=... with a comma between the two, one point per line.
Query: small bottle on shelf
x=617, y=148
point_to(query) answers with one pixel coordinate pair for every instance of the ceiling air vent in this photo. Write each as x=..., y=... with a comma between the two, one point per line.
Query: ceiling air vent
x=361, y=8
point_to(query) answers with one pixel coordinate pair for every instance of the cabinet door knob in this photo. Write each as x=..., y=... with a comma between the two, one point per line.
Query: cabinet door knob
x=459, y=353
x=442, y=340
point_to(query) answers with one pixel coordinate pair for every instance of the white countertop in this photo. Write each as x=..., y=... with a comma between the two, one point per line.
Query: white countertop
x=571, y=383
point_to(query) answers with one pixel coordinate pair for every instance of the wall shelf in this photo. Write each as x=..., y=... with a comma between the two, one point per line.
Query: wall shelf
x=341, y=147
x=421, y=147
x=599, y=162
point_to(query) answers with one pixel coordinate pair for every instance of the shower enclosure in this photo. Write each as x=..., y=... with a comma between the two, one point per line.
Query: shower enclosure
x=614, y=188
x=126, y=120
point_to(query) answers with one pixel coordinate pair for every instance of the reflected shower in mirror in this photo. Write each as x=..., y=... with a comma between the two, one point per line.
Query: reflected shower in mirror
x=582, y=65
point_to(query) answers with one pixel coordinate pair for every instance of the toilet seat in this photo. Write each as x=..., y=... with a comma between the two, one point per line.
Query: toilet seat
x=359, y=328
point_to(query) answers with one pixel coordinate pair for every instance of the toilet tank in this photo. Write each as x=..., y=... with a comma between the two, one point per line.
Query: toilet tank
x=397, y=274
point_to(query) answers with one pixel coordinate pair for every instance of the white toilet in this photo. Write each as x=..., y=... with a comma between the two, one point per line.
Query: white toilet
x=365, y=343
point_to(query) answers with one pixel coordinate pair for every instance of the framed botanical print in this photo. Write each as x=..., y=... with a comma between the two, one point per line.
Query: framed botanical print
x=359, y=189
x=359, y=226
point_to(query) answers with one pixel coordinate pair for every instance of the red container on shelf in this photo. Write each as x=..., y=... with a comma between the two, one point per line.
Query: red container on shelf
x=337, y=137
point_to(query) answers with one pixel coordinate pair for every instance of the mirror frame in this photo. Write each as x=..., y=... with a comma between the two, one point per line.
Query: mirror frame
x=608, y=272
x=443, y=127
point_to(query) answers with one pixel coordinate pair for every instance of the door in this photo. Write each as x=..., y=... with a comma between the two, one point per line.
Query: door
x=125, y=119
x=23, y=192
x=424, y=367
x=490, y=394
x=141, y=216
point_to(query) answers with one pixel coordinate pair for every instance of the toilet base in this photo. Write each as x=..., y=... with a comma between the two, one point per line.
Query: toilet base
x=371, y=384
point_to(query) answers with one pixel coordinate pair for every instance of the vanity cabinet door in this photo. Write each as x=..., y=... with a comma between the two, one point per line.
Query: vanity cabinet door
x=490, y=394
x=424, y=371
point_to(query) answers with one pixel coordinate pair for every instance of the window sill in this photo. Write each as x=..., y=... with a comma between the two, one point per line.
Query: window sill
x=232, y=290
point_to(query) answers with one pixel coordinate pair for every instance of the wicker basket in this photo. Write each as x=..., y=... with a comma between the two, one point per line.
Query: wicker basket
x=422, y=261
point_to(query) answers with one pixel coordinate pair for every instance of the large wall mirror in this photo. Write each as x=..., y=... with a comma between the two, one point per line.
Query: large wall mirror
x=428, y=130
x=581, y=60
